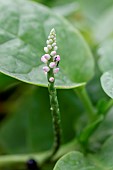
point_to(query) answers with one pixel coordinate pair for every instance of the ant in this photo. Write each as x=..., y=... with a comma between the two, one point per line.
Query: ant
x=56, y=61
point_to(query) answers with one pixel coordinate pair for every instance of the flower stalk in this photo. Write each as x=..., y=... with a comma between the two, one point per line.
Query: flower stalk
x=51, y=59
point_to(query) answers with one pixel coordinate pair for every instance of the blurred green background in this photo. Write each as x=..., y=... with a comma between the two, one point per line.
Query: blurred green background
x=25, y=120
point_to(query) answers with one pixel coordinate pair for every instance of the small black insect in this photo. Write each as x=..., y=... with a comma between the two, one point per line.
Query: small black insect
x=57, y=63
x=32, y=165
x=55, y=59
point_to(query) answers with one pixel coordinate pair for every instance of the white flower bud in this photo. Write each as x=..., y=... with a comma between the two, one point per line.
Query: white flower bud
x=46, y=69
x=54, y=44
x=53, y=31
x=47, y=56
x=47, y=42
x=57, y=58
x=49, y=47
x=53, y=53
x=51, y=79
x=56, y=70
x=43, y=59
x=55, y=48
x=52, y=65
x=46, y=49
x=52, y=36
x=50, y=41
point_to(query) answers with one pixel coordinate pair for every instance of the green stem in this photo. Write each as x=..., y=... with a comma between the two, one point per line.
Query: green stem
x=82, y=93
x=108, y=106
x=55, y=112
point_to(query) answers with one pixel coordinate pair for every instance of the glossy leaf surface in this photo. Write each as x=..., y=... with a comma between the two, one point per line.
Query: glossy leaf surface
x=24, y=27
x=77, y=161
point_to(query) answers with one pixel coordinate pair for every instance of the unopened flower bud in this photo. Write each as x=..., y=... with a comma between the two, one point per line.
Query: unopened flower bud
x=54, y=44
x=49, y=47
x=56, y=70
x=47, y=56
x=46, y=68
x=52, y=64
x=50, y=41
x=52, y=36
x=46, y=49
x=53, y=53
x=47, y=42
x=51, y=79
x=52, y=31
x=43, y=59
x=57, y=58
x=55, y=48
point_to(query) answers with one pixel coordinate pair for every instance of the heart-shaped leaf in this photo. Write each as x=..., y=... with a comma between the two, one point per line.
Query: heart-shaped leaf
x=24, y=27
x=107, y=83
x=106, y=66
x=103, y=160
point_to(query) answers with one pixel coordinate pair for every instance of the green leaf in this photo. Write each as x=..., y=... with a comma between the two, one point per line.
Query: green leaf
x=106, y=55
x=107, y=83
x=106, y=66
x=24, y=27
x=30, y=121
x=90, y=7
x=66, y=9
x=103, y=160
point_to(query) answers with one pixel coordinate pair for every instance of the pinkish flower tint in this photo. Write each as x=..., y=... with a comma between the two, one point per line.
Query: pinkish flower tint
x=52, y=64
x=43, y=59
x=51, y=79
x=56, y=70
x=46, y=68
x=53, y=53
x=47, y=56
x=57, y=58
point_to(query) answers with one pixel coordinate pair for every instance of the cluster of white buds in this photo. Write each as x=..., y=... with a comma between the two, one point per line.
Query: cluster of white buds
x=51, y=59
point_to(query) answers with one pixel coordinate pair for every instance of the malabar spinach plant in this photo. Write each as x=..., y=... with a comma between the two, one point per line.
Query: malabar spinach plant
x=54, y=114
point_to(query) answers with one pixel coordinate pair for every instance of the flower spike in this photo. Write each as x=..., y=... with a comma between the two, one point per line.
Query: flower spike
x=51, y=59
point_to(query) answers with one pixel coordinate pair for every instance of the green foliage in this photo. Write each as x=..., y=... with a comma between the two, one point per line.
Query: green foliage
x=30, y=121
x=23, y=41
x=106, y=66
x=85, y=39
x=107, y=83
x=77, y=161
